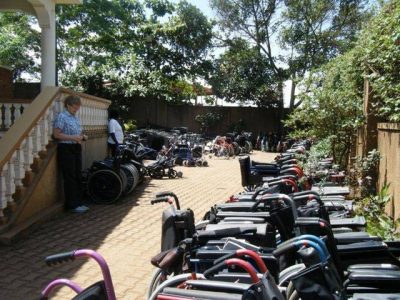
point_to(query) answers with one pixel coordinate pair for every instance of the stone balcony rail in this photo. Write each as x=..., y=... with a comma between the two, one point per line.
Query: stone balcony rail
x=30, y=134
x=11, y=110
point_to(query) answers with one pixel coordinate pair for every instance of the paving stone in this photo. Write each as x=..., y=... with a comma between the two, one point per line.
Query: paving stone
x=127, y=234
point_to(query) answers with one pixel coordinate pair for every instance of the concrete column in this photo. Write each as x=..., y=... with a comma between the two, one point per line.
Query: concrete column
x=48, y=39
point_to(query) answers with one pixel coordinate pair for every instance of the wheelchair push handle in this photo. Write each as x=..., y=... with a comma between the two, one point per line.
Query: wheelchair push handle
x=245, y=252
x=168, y=194
x=160, y=200
x=67, y=256
x=60, y=258
x=233, y=262
x=295, y=245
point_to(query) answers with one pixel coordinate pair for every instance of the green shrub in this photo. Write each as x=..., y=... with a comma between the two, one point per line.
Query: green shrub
x=378, y=221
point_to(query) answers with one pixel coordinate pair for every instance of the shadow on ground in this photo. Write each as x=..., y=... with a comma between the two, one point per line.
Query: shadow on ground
x=65, y=232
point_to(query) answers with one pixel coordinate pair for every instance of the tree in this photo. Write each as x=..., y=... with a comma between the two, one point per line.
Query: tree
x=378, y=48
x=315, y=31
x=207, y=120
x=179, y=47
x=332, y=105
x=254, y=21
x=243, y=74
x=154, y=55
x=20, y=44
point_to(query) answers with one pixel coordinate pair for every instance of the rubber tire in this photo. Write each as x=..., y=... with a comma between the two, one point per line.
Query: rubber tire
x=157, y=173
x=231, y=151
x=236, y=148
x=249, y=147
x=172, y=173
x=103, y=186
x=155, y=279
x=124, y=180
x=131, y=176
x=135, y=172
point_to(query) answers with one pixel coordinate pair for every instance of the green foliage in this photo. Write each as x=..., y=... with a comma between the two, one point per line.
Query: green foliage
x=209, y=100
x=332, y=95
x=321, y=149
x=248, y=71
x=130, y=126
x=311, y=31
x=363, y=175
x=20, y=43
x=378, y=221
x=237, y=127
x=208, y=120
x=315, y=31
x=318, y=30
x=379, y=50
x=332, y=105
x=118, y=50
x=243, y=74
x=318, y=151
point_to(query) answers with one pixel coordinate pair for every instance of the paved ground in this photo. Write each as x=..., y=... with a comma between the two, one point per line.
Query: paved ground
x=127, y=234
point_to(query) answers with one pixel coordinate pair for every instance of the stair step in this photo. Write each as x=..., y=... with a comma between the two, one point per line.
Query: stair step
x=25, y=228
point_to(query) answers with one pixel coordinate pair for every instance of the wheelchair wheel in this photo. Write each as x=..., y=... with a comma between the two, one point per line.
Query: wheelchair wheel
x=104, y=186
x=135, y=173
x=172, y=173
x=236, y=148
x=154, y=282
x=249, y=147
x=157, y=173
x=131, y=183
x=124, y=180
x=205, y=163
x=231, y=151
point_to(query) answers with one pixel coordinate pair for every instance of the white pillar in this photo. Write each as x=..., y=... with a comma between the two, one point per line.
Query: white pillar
x=48, y=39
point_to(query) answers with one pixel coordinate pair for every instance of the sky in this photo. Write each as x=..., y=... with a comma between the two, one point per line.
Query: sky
x=204, y=6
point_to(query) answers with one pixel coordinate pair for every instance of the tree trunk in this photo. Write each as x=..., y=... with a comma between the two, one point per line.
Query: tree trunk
x=281, y=107
x=292, y=95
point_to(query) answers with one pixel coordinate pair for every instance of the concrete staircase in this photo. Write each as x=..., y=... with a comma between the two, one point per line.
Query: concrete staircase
x=30, y=185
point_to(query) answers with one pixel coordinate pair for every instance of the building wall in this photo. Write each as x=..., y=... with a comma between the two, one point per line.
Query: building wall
x=389, y=167
x=45, y=191
x=6, y=88
x=159, y=113
x=95, y=148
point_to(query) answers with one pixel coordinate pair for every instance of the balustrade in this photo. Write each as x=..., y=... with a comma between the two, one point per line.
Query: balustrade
x=11, y=111
x=29, y=132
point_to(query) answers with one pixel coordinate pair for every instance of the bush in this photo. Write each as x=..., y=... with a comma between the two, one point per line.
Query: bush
x=130, y=126
x=208, y=120
x=378, y=221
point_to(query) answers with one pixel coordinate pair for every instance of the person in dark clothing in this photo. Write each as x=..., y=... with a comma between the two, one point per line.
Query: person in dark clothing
x=68, y=131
